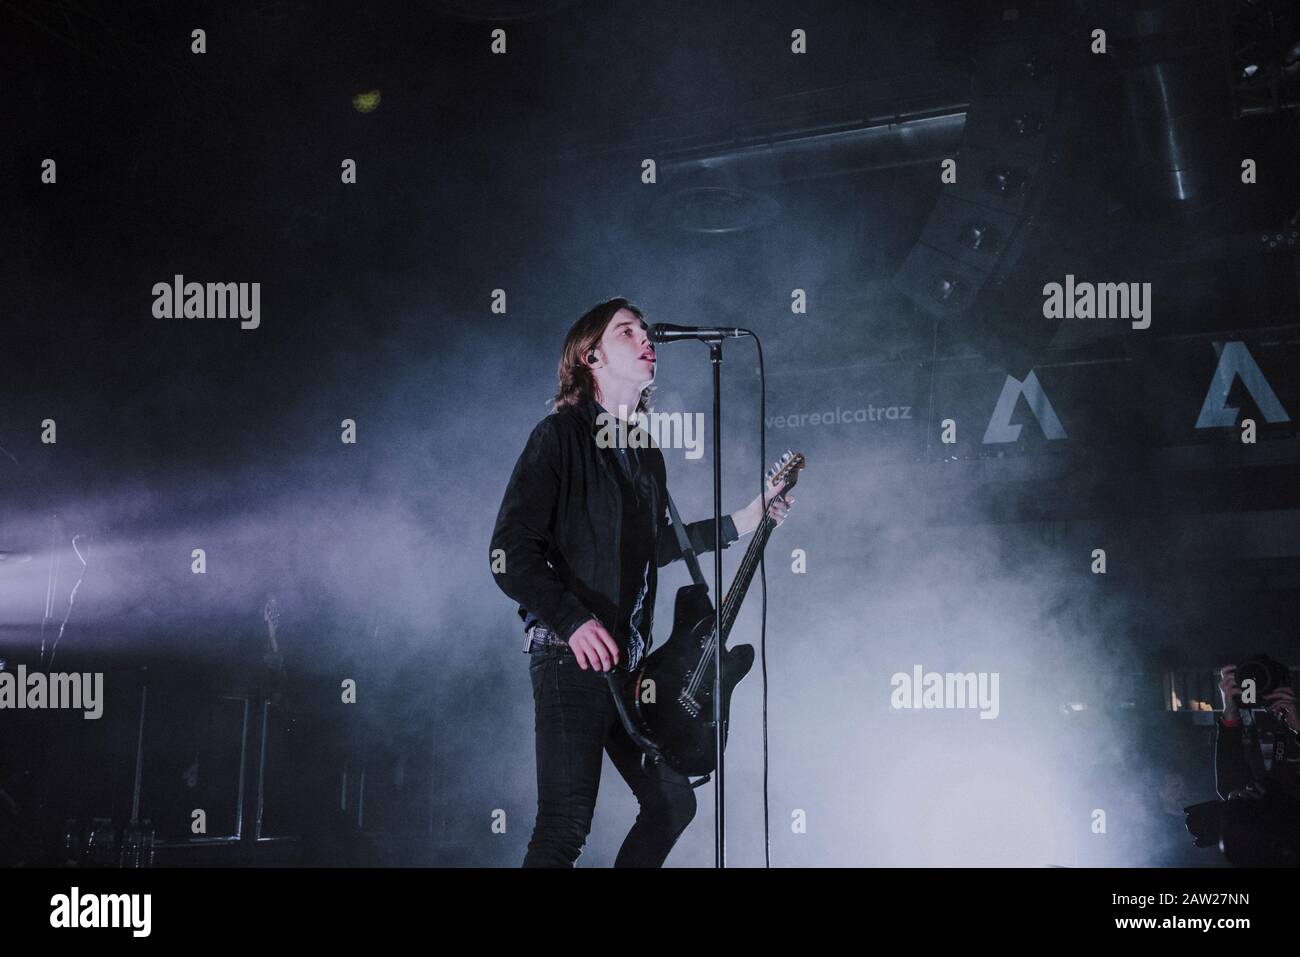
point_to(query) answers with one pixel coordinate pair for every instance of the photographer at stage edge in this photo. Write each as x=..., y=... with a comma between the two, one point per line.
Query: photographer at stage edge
x=1261, y=816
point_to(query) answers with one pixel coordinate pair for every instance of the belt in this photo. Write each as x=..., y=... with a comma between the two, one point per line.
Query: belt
x=539, y=636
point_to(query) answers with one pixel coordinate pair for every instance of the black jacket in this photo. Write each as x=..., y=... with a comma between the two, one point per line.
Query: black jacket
x=559, y=524
x=1238, y=763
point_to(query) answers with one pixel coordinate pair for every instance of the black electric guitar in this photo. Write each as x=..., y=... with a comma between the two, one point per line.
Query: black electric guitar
x=667, y=704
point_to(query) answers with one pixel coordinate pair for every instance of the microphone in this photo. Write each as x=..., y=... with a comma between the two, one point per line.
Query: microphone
x=667, y=332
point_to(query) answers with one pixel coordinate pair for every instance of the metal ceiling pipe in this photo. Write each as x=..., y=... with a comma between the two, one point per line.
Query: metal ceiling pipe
x=1179, y=107
x=810, y=152
x=729, y=184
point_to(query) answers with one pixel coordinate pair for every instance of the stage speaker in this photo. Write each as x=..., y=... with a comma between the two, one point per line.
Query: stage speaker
x=1006, y=165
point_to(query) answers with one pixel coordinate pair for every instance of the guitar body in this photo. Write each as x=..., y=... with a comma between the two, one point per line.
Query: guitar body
x=679, y=719
x=666, y=705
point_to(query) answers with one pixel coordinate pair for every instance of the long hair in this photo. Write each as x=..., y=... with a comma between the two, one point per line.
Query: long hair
x=576, y=381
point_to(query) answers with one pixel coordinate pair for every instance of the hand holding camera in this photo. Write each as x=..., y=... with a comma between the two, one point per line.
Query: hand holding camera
x=1231, y=692
x=1282, y=705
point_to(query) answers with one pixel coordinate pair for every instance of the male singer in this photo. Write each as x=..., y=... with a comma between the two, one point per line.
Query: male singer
x=582, y=531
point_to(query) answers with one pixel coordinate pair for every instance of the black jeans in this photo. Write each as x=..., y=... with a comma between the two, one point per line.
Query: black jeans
x=576, y=721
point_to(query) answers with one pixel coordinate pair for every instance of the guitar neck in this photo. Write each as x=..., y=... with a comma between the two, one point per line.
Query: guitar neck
x=744, y=575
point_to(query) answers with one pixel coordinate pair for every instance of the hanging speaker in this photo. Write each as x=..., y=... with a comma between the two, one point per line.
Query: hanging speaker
x=1003, y=165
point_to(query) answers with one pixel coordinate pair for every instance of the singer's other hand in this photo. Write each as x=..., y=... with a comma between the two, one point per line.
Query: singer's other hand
x=747, y=518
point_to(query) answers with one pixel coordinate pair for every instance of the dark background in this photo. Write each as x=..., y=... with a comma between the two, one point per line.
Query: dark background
x=522, y=172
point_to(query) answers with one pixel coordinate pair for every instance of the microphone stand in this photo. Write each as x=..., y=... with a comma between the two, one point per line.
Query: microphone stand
x=719, y=793
x=713, y=337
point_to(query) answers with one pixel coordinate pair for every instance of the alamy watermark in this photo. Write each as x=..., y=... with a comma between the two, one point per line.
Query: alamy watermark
x=75, y=909
x=22, y=690
x=946, y=690
x=179, y=299
x=1100, y=300
x=666, y=430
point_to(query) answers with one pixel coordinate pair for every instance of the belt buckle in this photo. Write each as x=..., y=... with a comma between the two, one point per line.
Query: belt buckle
x=549, y=639
x=539, y=634
x=530, y=636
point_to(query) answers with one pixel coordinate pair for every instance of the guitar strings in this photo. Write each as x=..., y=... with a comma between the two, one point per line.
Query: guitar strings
x=745, y=570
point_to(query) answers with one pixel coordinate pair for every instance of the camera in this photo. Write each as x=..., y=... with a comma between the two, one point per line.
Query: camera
x=1267, y=674
x=1205, y=822
x=1256, y=828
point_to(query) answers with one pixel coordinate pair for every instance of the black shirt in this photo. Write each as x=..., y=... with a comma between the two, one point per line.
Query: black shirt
x=631, y=630
x=582, y=536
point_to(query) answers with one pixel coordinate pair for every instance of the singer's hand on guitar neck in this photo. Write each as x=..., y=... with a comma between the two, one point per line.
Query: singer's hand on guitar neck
x=747, y=518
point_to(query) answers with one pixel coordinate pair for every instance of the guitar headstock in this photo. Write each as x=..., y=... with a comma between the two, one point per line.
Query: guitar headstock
x=271, y=615
x=786, y=469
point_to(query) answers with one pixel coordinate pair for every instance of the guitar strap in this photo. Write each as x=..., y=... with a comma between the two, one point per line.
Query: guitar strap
x=688, y=553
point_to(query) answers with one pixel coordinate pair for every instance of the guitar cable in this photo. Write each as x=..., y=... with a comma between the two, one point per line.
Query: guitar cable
x=762, y=576
x=72, y=598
